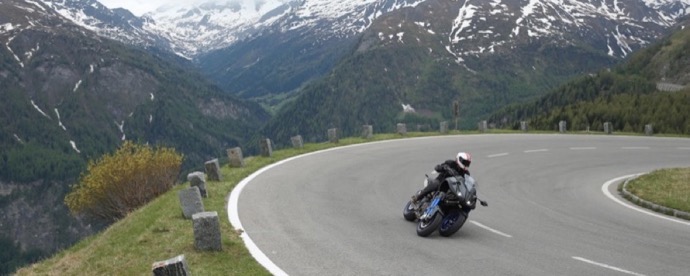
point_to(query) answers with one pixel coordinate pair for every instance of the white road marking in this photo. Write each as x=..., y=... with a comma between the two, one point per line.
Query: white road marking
x=607, y=266
x=635, y=148
x=498, y=155
x=490, y=229
x=233, y=215
x=583, y=148
x=536, y=150
x=233, y=203
x=605, y=189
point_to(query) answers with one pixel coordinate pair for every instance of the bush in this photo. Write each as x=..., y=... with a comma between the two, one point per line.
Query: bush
x=120, y=183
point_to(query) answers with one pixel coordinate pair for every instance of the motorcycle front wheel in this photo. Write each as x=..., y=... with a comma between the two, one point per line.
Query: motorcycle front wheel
x=428, y=226
x=452, y=221
x=408, y=212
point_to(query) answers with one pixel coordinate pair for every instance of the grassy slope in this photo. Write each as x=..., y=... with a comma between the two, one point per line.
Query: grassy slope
x=158, y=231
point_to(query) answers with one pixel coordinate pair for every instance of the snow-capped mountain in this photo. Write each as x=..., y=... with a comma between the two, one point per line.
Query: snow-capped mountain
x=118, y=24
x=624, y=25
x=197, y=27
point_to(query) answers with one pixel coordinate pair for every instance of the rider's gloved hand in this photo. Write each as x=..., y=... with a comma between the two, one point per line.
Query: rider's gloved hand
x=439, y=168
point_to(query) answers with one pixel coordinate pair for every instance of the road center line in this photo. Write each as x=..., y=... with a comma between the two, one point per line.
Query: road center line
x=490, y=229
x=605, y=189
x=536, y=150
x=607, y=266
x=635, y=148
x=498, y=155
x=583, y=148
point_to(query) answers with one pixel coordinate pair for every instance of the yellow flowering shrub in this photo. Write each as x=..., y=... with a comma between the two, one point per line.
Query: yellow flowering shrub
x=117, y=184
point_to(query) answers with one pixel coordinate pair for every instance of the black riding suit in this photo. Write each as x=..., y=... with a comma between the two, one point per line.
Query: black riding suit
x=445, y=169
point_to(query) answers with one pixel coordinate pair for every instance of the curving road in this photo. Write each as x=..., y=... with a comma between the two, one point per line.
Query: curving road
x=339, y=212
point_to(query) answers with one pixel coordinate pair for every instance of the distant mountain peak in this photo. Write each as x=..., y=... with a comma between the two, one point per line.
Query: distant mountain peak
x=479, y=27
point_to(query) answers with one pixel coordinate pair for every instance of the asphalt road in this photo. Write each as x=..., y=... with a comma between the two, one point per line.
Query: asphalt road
x=339, y=212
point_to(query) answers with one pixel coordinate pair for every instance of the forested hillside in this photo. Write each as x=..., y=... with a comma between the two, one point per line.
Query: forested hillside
x=399, y=61
x=629, y=96
x=69, y=96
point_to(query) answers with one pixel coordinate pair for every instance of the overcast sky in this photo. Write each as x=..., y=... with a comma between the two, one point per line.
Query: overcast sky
x=138, y=7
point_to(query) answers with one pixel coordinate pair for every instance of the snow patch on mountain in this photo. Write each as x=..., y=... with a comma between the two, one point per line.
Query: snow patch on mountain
x=558, y=20
x=196, y=27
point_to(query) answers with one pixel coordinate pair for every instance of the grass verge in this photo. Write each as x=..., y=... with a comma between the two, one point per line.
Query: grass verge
x=667, y=187
x=158, y=231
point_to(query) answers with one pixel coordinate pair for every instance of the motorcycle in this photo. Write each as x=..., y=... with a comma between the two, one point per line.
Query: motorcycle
x=445, y=209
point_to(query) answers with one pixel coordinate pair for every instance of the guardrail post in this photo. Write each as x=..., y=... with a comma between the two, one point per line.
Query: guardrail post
x=235, y=156
x=608, y=128
x=367, y=131
x=333, y=135
x=562, y=126
x=197, y=179
x=297, y=141
x=212, y=168
x=649, y=130
x=266, y=148
x=176, y=266
x=443, y=128
x=402, y=129
x=207, y=231
x=482, y=126
x=190, y=201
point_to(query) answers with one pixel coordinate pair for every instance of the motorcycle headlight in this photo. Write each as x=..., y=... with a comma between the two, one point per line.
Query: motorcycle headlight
x=459, y=194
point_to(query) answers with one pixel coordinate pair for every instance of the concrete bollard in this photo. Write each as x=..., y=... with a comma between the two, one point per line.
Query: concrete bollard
x=649, y=130
x=482, y=126
x=523, y=126
x=266, y=148
x=190, y=201
x=297, y=141
x=235, y=157
x=333, y=135
x=562, y=126
x=207, y=231
x=197, y=179
x=608, y=128
x=176, y=266
x=212, y=169
x=367, y=131
x=443, y=128
x=402, y=129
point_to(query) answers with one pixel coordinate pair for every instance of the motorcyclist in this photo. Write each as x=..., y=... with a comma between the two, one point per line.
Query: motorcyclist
x=458, y=167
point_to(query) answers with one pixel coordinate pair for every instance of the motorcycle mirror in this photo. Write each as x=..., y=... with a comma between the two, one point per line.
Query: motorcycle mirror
x=484, y=203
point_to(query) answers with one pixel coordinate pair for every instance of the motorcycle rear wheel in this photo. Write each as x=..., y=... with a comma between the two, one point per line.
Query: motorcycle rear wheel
x=408, y=212
x=452, y=222
x=428, y=226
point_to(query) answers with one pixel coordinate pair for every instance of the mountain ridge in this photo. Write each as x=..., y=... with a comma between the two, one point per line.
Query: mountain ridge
x=649, y=89
x=70, y=96
x=480, y=81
